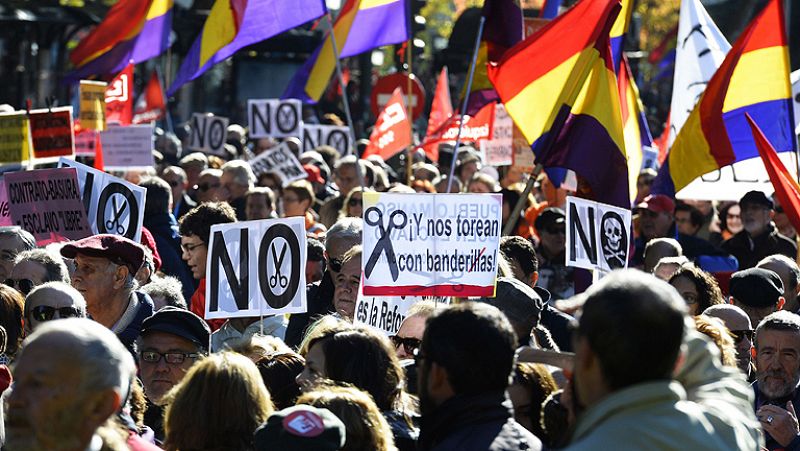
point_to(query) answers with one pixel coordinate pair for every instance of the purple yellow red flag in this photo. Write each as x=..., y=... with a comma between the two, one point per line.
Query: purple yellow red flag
x=635, y=130
x=567, y=104
x=716, y=133
x=234, y=24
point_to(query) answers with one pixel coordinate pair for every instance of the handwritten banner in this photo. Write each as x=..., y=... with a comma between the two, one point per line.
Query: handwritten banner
x=93, y=104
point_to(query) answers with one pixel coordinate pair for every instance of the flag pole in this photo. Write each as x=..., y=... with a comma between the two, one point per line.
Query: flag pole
x=410, y=152
x=466, y=100
x=346, y=102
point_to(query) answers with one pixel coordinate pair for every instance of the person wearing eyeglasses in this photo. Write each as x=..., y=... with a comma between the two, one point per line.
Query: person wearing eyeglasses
x=208, y=186
x=35, y=267
x=740, y=328
x=51, y=301
x=297, y=199
x=409, y=335
x=172, y=340
x=178, y=182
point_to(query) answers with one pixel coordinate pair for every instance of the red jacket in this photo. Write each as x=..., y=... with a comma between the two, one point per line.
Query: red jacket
x=198, y=306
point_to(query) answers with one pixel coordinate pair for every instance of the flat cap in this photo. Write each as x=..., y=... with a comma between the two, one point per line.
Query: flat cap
x=300, y=428
x=115, y=248
x=180, y=322
x=757, y=198
x=756, y=287
x=516, y=300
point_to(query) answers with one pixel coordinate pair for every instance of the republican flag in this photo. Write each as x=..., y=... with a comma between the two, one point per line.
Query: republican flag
x=233, y=24
x=786, y=188
x=567, y=104
x=392, y=131
x=150, y=106
x=635, y=130
x=442, y=106
x=119, y=97
x=132, y=31
x=618, y=31
x=754, y=79
x=361, y=25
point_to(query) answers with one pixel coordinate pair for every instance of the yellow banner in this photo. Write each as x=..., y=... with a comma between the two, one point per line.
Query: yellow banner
x=14, y=138
x=93, y=105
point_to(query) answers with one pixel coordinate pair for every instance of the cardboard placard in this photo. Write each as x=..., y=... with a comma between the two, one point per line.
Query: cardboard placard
x=14, y=138
x=93, y=104
x=5, y=211
x=209, y=133
x=279, y=160
x=86, y=143
x=128, y=147
x=47, y=203
x=598, y=235
x=386, y=313
x=499, y=150
x=335, y=136
x=52, y=133
x=275, y=118
x=112, y=205
x=256, y=268
x=431, y=244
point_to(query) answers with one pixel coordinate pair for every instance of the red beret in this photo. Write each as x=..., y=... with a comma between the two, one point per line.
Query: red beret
x=116, y=248
x=149, y=242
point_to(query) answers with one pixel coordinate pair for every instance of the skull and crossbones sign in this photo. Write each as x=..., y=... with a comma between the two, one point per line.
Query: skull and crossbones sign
x=613, y=241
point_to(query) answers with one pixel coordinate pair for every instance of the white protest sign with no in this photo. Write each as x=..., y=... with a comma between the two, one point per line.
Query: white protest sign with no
x=112, y=204
x=128, y=147
x=431, y=244
x=274, y=118
x=597, y=235
x=209, y=133
x=256, y=268
x=279, y=160
x=335, y=136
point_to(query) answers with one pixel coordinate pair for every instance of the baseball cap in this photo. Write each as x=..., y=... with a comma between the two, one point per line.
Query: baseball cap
x=757, y=198
x=180, y=322
x=549, y=217
x=756, y=287
x=658, y=203
x=116, y=248
x=300, y=428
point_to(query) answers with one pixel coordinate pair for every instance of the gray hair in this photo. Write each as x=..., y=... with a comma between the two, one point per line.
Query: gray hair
x=104, y=361
x=64, y=288
x=177, y=170
x=167, y=287
x=781, y=320
x=345, y=229
x=791, y=264
x=194, y=159
x=54, y=267
x=242, y=172
x=18, y=232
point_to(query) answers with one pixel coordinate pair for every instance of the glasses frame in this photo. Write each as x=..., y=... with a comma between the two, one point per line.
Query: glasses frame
x=177, y=357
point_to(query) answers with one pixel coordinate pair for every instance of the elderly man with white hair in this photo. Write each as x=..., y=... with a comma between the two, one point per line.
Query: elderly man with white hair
x=236, y=180
x=70, y=377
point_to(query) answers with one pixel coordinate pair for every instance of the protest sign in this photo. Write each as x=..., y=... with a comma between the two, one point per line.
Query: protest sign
x=431, y=244
x=597, y=235
x=93, y=104
x=335, y=136
x=5, y=212
x=274, y=118
x=47, y=203
x=385, y=313
x=86, y=143
x=128, y=147
x=51, y=133
x=256, y=268
x=209, y=133
x=14, y=138
x=523, y=157
x=733, y=181
x=112, y=205
x=280, y=161
x=499, y=150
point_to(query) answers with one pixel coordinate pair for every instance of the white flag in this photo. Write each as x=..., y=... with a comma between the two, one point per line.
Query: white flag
x=700, y=49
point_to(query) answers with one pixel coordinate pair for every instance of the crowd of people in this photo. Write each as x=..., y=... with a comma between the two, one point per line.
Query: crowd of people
x=696, y=346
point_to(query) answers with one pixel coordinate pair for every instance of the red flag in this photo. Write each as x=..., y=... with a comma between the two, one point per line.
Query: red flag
x=150, y=105
x=786, y=188
x=392, y=132
x=475, y=129
x=442, y=107
x=119, y=97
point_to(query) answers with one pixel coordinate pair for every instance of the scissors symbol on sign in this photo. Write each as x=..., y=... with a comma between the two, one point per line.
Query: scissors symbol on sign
x=385, y=239
x=278, y=278
x=114, y=223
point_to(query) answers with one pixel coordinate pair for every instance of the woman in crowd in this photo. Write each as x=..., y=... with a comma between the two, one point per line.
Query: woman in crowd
x=279, y=372
x=353, y=203
x=698, y=288
x=218, y=406
x=720, y=335
x=482, y=183
x=531, y=385
x=297, y=200
x=730, y=222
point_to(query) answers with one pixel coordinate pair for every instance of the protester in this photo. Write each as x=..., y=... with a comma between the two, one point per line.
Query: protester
x=659, y=248
x=208, y=186
x=738, y=324
x=236, y=180
x=52, y=300
x=315, y=260
x=236, y=330
x=627, y=390
x=554, y=275
x=35, y=267
x=13, y=240
x=730, y=222
x=688, y=219
x=464, y=364
x=279, y=371
x=179, y=183
x=698, y=288
x=297, y=200
x=531, y=384
x=172, y=341
x=347, y=283
x=353, y=205
x=11, y=319
x=164, y=291
x=777, y=344
x=105, y=266
x=259, y=204
x=408, y=337
x=714, y=329
x=218, y=405
x=193, y=164
x=346, y=178
x=782, y=221
x=759, y=238
x=757, y=291
x=787, y=269
x=521, y=305
x=300, y=428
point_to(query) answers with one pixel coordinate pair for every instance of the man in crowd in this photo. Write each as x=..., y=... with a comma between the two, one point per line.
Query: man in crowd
x=35, y=267
x=757, y=291
x=409, y=335
x=179, y=183
x=345, y=175
x=193, y=164
x=777, y=343
x=738, y=323
x=105, y=266
x=52, y=300
x=195, y=230
x=553, y=274
x=463, y=364
x=759, y=238
x=346, y=283
x=787, y=269
x=164, y=291
x=237, y=179
x=315, y=261
x=659, y=248
x=521, y=305
x=259, y=204
x=172, y=341
x=625, y=385
x=688, y=219
x=70, y=378
x=13, y=240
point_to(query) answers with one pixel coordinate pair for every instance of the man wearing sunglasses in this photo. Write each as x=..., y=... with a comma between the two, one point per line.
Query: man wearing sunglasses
x=35, y=267
x=553, y=274
x=50, y=301
x=738, y=323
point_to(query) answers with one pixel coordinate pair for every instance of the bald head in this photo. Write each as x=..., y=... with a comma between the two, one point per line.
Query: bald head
x=738, y=323
x=789, y=272
x=59, y=297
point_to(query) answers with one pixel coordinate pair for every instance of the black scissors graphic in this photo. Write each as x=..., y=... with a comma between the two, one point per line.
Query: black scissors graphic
x=277, y=278
x=385, y=239
x=115, y=223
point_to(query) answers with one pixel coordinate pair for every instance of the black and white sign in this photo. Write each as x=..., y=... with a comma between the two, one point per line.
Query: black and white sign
x=598, y=235
x=280, y=161
x=335, y=136
x=256, y=268
x=112, y=204
x=275, y=118
x=209, y=133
